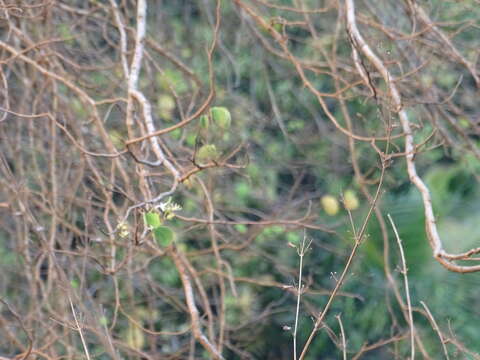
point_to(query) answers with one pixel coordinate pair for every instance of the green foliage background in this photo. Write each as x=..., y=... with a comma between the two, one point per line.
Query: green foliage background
x=293, y=156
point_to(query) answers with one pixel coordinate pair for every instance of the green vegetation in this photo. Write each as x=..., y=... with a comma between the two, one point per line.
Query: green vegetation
x=172, y=212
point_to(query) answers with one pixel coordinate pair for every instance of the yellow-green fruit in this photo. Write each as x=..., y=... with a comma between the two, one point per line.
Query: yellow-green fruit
x=350, y=200
x=330, y=204
x=166, y=104
x=221, y=117
x=135, y=338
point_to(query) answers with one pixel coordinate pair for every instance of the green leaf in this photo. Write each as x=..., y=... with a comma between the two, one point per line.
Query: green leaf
x=172, y=78
x=221, y=117
x=276, y=229
x=242, y=190
x=293, y=238
x=116, y=137
x=191, y=139
x=163, y=235
x=153, y=219
x=176, y=134
x=103, y=321
x=278, y=27
x=204, y=121
x=74, y=283
x=241, y=228
x=207, y=153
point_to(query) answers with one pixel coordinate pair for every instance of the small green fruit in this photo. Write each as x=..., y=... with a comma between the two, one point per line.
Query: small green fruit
x=135, y=337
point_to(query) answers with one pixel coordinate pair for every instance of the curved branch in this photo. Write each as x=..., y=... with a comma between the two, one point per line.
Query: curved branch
x=430, y=223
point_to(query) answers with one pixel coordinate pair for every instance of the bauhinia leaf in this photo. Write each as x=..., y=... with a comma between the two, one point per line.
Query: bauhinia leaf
x=152, y=219
x=164, y=236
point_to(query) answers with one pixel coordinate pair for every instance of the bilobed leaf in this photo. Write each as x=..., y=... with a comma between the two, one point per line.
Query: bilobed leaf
x=153, y=219
x=207, y=153
x=221, y=117
x=163, y=235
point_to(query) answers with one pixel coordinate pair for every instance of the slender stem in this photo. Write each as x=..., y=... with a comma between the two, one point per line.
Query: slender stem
x=84, y=343
x=358, y=241
x=179, y=260
x=344, y=343
x=301, y=254
x=407, y=291
x=436, y=328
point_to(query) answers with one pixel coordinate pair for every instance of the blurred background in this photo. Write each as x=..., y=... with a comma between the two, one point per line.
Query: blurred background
x=246, y=90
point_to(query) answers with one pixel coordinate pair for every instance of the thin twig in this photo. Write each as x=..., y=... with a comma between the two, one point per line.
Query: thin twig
x=192, y=308
x=407, y=291
x=301, y=251
x=79, y=329
x=342, y=332
x=436, y=329
x=410, y=149
x=358, y=240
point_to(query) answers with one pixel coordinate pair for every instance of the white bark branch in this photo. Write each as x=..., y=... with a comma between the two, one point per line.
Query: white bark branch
x=135, y=94
x=430, y=223
x=123, y=37
x=456, y=54
x=192, y=308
